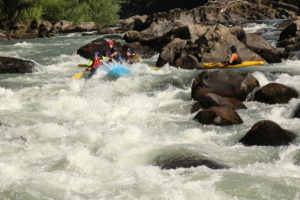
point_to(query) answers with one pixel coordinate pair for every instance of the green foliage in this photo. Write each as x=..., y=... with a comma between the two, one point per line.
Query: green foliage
x=101, y=12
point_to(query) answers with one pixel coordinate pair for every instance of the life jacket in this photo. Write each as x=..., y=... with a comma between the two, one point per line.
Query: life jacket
x=236, y=59
x=96, y=63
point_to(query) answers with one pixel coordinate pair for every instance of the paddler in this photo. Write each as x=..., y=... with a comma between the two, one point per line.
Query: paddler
x=113, y=53
x=233, y=58
x=93, y=65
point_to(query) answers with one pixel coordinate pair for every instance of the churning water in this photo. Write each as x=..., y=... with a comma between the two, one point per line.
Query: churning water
x=99, y=138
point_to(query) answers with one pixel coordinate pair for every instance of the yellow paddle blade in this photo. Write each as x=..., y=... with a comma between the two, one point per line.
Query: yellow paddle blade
x=77, y=76
x=155, y=67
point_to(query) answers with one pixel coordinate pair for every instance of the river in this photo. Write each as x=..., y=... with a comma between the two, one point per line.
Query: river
x=99, y=138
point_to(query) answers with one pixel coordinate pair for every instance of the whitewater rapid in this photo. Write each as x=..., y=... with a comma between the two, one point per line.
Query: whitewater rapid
x=99, y=138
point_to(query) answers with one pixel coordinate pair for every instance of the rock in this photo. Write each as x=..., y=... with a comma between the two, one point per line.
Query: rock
x=293, y=30
x=136, y=22
x=34, y=24
x=103, y=31
x=217, y=41
x=64, y=26
x=86, y=26
x=218, y=115
x=45, y=28
x=15, y=65
x=263, y=48
x=3, y=35
x=210, y=100
x=275, y=93
x=267, y=133
x=224, y=83
x=297, y=112
x=185, y=159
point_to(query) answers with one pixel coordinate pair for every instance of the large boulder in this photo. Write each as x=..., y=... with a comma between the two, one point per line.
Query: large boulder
x=217, y=41
x=86, y=26
x=210, y=100
x=182, y=158
x=263, y=48
x=275, y=93
x=218, y=115
x=224, y=83
x=15, y=65
x=267, y=133
x=64, y=26
x=293, y=30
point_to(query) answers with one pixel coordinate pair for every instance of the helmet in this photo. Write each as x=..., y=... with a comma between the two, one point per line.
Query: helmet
x=233, y=49
x=97, y=53
x=110, y=42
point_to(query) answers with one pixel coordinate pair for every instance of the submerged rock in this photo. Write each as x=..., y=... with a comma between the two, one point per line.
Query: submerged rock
x=210, y=100
x=267, y=133
x=275, y=93
x=185, y=159
x=297, y=112
x=224, y=83
x=218, y=115
x=15, y=65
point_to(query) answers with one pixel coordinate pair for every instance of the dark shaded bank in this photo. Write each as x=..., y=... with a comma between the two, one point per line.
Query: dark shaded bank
x=146, y=7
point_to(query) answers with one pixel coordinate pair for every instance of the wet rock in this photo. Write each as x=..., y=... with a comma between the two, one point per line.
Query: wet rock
x=64, y=26
x=275, y=93
x=293, y=30
x=267, y=133
x=297, y=112
x=208, y=100
x=45, y=28
x=15, y=65
x=136, y=22
x=263, y=48
x=3, y=35
x=86, y=26
x=218, y=115
x=186, y=159
x=217, y=41
x=224, y=83
x=87, y=51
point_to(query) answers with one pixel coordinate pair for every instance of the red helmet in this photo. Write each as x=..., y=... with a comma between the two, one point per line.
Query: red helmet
x=110, y=42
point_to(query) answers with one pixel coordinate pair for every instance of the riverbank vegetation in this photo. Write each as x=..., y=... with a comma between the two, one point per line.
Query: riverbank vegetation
x=101, y=12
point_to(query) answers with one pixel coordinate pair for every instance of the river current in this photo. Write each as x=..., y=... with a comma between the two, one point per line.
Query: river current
x=99, y=138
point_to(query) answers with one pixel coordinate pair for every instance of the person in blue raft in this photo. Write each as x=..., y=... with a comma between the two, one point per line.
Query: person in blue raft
x=113, y=53
x=94, y=64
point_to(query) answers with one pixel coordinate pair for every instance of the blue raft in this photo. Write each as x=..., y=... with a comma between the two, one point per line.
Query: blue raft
x=115, y=70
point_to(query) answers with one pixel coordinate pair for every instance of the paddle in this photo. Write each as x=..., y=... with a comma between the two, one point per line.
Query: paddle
x=79, y=75
x=82, y=65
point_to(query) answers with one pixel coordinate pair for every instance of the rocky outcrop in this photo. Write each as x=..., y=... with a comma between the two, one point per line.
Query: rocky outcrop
x=290, y=37
x=208, y=100
x=86, y=26
x=218, y=115
x=267, y=133
x=45, y=28
x=275, y=93
x=263, y=48
x=15, y=65
x=224, y=83
x=185, y=159
x=205, y=44
x=64, y=26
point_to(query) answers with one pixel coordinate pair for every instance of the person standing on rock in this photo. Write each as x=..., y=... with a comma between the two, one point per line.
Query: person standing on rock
x=233, y=58
x=113, y=53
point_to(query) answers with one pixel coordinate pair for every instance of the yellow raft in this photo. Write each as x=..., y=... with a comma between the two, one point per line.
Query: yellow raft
x=243, y=64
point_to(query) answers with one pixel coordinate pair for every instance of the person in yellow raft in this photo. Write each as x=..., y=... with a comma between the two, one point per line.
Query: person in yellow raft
x=233, y=58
